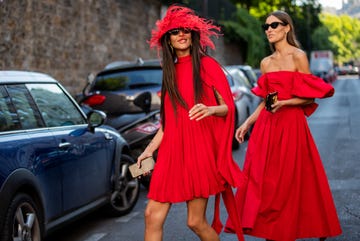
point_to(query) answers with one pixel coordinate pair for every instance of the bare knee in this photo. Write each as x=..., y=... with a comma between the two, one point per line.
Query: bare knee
x=152, y=218
x=155, y=214
x=197, y=225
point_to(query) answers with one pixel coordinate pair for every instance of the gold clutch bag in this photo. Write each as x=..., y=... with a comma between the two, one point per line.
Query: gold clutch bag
x=146, y=165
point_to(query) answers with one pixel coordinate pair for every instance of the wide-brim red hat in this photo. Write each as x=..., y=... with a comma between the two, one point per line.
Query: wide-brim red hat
x=183, y=17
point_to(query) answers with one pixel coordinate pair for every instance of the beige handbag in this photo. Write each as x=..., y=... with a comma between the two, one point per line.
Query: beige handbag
x=146, y=166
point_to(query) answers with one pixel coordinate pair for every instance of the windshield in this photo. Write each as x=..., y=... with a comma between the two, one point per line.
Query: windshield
x=126, y=80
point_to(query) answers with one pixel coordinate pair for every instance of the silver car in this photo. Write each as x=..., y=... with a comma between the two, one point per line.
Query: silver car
x=245, y=101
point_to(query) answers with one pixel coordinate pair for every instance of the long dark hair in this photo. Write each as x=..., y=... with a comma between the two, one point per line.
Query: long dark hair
x=168, y=80
x=291, y=36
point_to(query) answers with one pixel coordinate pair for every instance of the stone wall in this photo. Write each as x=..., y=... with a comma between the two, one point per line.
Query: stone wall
x=68, y=39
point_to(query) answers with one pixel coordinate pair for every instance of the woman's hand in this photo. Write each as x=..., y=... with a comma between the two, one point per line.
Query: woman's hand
x=291, y=102
x=241, y=132
x=142, y=157
x=277, y=105
x=200, y=111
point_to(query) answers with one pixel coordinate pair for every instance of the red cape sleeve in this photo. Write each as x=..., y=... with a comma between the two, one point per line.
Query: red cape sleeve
x=214, y=76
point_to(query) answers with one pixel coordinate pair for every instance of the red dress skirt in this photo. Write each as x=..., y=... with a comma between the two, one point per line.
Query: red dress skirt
x=287, y=196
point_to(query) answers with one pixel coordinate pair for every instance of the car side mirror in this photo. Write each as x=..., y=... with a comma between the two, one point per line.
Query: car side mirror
x=95, y=119
x=143, y=101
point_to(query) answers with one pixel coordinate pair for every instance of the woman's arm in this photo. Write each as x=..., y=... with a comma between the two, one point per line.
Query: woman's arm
x=152, y=146
x=245, y=127
x=291, y=102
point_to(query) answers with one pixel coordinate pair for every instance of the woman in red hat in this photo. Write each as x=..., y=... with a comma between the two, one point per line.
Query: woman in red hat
x=197, y=115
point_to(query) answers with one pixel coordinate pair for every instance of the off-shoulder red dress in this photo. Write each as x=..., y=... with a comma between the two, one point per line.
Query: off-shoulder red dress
x=195, y=157
x=287, y=196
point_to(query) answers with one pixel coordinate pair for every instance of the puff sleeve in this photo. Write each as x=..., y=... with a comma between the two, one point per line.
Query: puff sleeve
x=310, y=86
x=260, y=89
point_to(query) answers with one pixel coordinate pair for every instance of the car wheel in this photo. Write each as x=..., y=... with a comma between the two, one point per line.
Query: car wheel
x=23, y=220
x=126, y=189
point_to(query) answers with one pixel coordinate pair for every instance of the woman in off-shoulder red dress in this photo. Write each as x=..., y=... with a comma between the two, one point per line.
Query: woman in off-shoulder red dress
x=287, y=196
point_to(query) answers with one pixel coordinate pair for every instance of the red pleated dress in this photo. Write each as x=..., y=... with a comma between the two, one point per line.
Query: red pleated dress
x=287, y=196
x=195, y=158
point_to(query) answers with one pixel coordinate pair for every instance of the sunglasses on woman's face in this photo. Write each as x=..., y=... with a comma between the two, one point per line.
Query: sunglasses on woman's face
x=176, y=31
x=273, y=25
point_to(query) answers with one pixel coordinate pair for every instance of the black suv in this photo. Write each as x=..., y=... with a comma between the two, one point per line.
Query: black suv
x=118, y=85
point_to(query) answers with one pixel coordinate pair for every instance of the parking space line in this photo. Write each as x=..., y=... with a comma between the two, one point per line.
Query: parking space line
x=95, y=237
x=126, y=218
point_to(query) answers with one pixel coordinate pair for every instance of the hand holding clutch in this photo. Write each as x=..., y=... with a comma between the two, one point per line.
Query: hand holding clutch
x=147, y=165
x=271, y=99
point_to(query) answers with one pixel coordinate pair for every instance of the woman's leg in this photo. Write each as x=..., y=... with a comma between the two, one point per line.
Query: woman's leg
x=197, y=222
x=155, y=215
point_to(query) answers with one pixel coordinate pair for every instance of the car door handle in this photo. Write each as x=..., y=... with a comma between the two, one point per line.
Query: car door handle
x=64, y=144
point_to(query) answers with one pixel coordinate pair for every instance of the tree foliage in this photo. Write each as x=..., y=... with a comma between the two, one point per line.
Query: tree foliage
x=245, y=28
x=246, y=31
x=305, y=15
x=343, y=35
x=315, y=31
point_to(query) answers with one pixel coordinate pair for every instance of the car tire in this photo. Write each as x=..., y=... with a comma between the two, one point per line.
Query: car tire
x=23, y=220
x=125, y=191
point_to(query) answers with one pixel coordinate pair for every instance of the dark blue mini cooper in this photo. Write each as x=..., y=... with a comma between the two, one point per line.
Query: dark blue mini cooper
x=56, y=163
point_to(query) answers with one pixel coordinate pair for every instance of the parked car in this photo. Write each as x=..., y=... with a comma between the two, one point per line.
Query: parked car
x=249, y=73
x=328, y=76
x=129, y=94
x=245, y=101
x=121, y=82
x=347, y=70
x=258, y=73
x=243, y=83
x=56, y=163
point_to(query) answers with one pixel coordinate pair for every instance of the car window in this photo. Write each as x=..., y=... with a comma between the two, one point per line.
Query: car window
x=251, y=76
x=25, y=107
x=239, y=77
x=230, y=79
x=128, y=79
x=55, y=107
x=8, y=116
x=243, y=80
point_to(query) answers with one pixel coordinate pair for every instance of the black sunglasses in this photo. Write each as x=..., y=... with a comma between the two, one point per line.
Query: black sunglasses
x=273, y=25
x=176, y=31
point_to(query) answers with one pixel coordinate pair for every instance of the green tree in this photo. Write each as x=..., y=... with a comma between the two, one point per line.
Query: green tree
x=320, y=40
x=245, y=30
x=344, y=36
x=305, y=15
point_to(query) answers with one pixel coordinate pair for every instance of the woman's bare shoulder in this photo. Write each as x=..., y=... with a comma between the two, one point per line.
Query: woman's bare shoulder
x=265, y=62
x=301, y=61
x=299, y=55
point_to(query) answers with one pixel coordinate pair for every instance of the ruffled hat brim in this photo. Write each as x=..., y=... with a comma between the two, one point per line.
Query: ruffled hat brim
x=183, y=17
